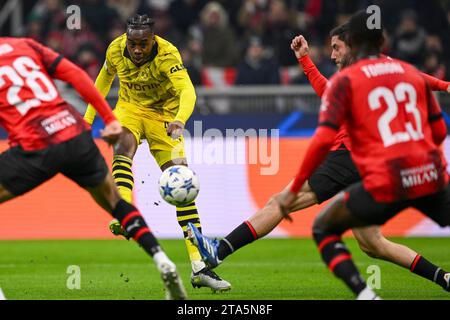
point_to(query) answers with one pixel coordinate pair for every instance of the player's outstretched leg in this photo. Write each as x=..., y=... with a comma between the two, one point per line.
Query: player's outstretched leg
x=201, y=275
x=328, y=227
x=256, y=227
x=132, y=221
x=374, y=244
x=207, y=247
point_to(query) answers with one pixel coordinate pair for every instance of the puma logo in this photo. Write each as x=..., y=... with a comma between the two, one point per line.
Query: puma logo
x=447, y=278
x=132, y=226
x=339, y=246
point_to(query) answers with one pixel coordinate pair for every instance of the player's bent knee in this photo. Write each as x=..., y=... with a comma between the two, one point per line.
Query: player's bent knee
x=5, y=195
x=329, y=220
x=369, y=250
x=127, y=144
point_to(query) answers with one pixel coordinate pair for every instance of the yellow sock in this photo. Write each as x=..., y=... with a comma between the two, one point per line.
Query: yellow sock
x=123, y=176
x=185, y=215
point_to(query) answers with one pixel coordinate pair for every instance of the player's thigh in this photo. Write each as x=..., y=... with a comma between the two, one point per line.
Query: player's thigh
x=82, y=161
x=162, y=146
x=335, y=174
x=133, y=122
x=22, y=171
x=105, y=193
x=436, y=206
x=335, y=218
x=362, y=205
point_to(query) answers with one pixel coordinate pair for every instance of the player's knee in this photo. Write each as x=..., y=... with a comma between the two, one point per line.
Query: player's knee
x=127, y=145
x=328, y=222
x=5, y=194
x=371, y=250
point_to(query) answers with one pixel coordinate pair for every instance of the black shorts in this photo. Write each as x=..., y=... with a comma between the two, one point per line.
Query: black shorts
x=363, y=206
x=78, y=159
x=335, y=174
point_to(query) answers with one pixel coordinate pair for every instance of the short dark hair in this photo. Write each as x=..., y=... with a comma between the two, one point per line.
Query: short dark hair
x=360, y=35
x=140, y=22
x=340, y=31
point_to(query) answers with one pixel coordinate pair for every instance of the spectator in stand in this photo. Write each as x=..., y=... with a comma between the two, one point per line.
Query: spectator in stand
x=252, y=16
x=35, y=28
x=257, y=68
x=185, y=13
x=55, y=40
x=86, y=59
x=115, y=31
x=410, y=39
x=51, y=13
x=126, y=8
x=75, y=39
x=280, y=29
x=218, y=39
x=99, y=16
x=165, y=29
x=432, y=64
x=193, y=68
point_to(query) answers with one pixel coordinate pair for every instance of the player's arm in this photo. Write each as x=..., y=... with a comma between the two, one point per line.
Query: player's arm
x=300, y=47
x=332, y=116
x=103, y=84
x=436, y=84
x=436, y=119
x=182, y=86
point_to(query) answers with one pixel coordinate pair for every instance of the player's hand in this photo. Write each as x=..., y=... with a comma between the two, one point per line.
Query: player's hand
x=448, y=88
x=175, y=129
x=300, y=46
x=285, y=200
x=111, y=132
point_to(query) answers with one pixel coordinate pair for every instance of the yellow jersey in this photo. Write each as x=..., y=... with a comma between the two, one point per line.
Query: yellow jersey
x=161, y=87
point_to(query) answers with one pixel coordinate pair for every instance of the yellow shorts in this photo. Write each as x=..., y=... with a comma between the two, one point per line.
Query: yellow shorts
x=153, y=128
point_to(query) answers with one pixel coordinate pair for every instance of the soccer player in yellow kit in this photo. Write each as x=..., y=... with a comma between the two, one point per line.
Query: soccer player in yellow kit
x=156, y=98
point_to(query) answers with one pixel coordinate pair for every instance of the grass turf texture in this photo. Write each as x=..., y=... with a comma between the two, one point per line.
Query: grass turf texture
x=268, y=269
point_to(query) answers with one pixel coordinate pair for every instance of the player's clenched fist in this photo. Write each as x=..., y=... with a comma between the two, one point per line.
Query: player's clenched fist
x=112, y=132
x=300, y=46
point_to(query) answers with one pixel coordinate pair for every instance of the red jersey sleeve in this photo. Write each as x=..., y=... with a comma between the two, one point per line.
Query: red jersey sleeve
x=49, y=58
x=333, y=111
x=335, y=102
x=70, y=73
x=317, y=80
x=435, y=84
x=435, y=118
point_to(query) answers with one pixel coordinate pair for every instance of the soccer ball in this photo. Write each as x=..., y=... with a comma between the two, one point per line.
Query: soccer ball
x=179, y=185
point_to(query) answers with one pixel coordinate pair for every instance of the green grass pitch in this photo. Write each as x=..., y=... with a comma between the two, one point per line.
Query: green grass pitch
x=269, y=269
